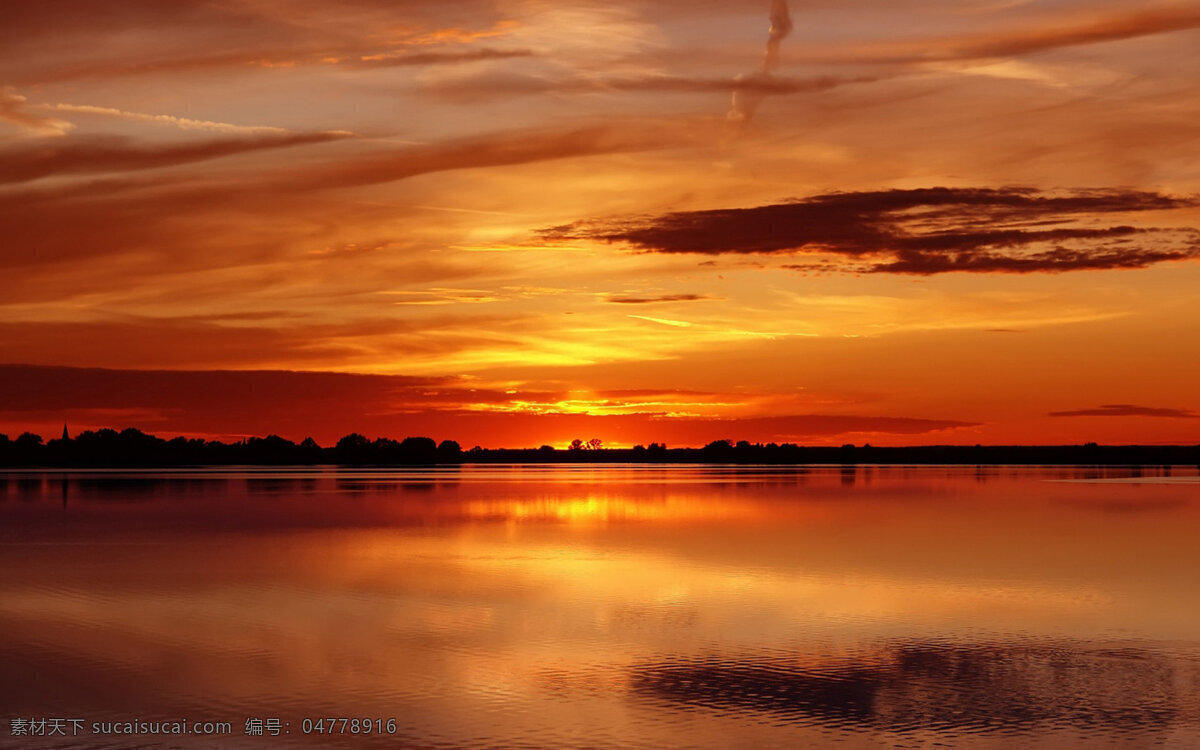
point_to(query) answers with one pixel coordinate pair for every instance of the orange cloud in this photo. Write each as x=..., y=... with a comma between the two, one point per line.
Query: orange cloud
x=459, y=35
x=15, y=109
x=490, y=85
x=269, y=36
x=25, y=161
x=184, y=123
x=491, y=150
x=1044, y=34
x=448, y=57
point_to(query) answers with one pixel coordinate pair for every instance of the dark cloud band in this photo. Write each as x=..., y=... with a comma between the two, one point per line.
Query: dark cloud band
x=924, y=231
x=1128, y=410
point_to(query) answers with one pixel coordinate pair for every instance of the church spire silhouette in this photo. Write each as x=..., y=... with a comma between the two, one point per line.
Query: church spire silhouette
x=66, y=435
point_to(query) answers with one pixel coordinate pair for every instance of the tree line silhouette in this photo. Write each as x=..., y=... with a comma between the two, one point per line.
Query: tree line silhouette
x=132, y=447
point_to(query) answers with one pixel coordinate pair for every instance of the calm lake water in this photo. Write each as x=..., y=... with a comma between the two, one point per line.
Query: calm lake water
x=605, y=607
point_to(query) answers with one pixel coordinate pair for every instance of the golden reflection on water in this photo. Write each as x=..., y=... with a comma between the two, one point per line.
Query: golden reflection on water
x=674, y=607
x=603, y=508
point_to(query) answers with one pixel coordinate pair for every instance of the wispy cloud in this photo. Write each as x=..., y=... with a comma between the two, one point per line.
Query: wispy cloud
x=749, y=89
x=69, y=40
x=493, y=150
x=346, y=59
x=448, y=57
x=15, y=109
x=182, y=123
x=25, y=161
x=190, y=342
x=460, y=35
x=494, y=85
x=1043, y=34
x=664, y=321
x=1081, y=30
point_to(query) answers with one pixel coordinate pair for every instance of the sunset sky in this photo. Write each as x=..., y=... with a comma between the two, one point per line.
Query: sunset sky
x=517, y=222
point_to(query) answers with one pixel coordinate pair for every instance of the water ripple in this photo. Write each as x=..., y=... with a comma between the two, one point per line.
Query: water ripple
x=977, y=688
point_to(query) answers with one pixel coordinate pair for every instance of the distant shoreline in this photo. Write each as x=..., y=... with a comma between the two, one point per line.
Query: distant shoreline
x=132, y=448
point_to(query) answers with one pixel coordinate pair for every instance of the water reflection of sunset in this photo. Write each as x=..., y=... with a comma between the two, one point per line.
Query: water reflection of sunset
x=609, y=507
x=510, y=604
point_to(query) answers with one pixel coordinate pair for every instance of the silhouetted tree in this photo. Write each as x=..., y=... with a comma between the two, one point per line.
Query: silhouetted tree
x=271, y=450
x=718, y=450
x=420, y=450
x=352, y=448
x=449, y=451
x=353, y=441
x=309, y=452
x=386, y=451
x=28, y=449
x=132, y=447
